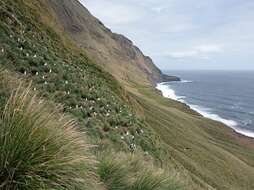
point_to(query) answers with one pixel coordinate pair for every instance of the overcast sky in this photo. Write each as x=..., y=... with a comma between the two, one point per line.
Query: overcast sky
x=184, y=34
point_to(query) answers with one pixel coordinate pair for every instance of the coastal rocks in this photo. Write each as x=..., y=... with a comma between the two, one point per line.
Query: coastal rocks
x=167, y=78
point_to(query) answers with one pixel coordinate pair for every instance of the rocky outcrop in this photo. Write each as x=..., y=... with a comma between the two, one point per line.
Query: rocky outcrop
x=167, y=78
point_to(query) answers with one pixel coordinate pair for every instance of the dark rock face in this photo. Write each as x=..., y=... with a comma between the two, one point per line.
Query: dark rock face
x=116, y=53
x=166, y=78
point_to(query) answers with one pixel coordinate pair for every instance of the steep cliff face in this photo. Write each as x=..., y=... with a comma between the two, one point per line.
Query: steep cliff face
x=117, y=54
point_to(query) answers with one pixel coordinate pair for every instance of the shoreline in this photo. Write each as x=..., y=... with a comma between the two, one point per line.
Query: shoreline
x=167, y=92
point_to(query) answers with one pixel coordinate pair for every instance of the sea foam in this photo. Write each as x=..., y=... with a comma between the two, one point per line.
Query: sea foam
x=186, y=81
x=168, y=92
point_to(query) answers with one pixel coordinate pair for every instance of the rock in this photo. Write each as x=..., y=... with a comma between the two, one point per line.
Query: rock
x=167, y=78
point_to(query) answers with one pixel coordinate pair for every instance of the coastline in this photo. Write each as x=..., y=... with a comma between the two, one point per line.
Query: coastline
x=168, y=92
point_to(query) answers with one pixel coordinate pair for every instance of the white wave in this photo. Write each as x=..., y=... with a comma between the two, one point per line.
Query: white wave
x=205, y=112
x=186, y=81
x=170, y=93
x=244, y=132
x=167, y=91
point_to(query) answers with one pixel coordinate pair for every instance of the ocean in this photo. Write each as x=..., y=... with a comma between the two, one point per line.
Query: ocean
x=225, y=96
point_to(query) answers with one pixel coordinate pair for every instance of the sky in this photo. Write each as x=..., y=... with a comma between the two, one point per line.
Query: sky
x=184, y=34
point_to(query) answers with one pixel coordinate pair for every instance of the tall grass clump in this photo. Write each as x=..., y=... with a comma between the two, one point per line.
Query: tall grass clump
x=113, y=173
x=39, y=147
x=133, y=172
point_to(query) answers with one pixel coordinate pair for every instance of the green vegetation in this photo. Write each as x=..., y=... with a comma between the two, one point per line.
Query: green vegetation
x=212, y=154
x=40, y=148
x=66, y=76
x=47, y=152
x=130, y=172
x=157, y=139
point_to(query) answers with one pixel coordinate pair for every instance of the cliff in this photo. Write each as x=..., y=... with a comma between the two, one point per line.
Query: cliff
x=117, y=54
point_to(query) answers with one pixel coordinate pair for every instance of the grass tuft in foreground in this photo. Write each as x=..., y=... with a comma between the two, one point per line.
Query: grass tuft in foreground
x=133, y=172
x=40, y=149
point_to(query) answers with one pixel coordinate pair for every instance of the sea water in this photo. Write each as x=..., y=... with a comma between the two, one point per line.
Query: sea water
x=225, y=96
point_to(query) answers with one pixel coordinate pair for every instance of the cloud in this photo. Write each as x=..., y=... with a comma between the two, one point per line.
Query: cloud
x=200, y=52
x=210, y=48
x=158, y=9
x=182, y=54
x=113, y=13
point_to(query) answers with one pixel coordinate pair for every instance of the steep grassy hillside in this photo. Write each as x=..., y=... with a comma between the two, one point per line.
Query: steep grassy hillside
x=42, y=150
x=132, y=120
x=67, y=77
x=214, y=155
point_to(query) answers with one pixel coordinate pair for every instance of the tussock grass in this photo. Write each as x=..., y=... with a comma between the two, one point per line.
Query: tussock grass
x=133, y=172
x=112, y=173
x=40, y=149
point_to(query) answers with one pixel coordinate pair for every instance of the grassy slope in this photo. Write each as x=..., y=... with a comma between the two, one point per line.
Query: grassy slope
x=207, y=150
x=48, y=152
x=65, y=75
x=212, y=153
x=60, y=73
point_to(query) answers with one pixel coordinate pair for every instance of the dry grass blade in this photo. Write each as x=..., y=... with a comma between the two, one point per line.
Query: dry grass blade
x=40, y=148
